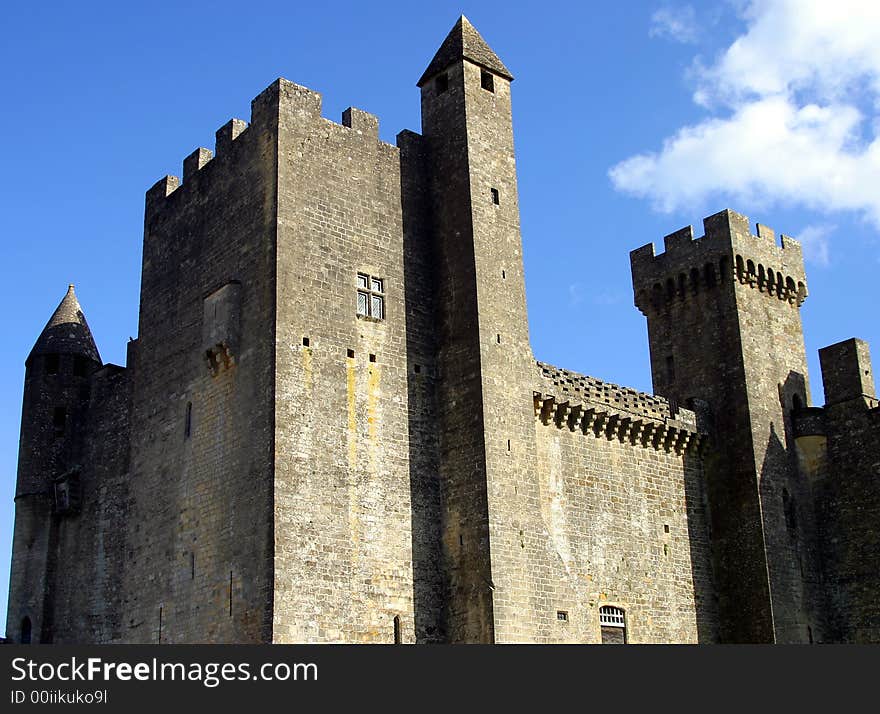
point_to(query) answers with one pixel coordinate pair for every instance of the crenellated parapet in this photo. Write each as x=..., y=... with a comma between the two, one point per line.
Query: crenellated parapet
x=728, y=251
x=281, y=104
x=580, y=403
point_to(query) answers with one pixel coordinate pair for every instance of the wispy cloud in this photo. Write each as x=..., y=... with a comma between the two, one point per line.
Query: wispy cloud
x=576, y=294
x=791, y=107
x=677, y=23
x=814, y=239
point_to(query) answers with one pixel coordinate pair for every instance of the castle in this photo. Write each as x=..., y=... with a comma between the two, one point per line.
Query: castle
x=331, y=427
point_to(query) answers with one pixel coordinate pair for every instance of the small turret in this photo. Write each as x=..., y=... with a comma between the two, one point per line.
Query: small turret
x=67, y=332
x=56, y=399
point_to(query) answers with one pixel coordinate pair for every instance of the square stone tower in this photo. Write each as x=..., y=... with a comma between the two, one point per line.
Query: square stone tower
x=725, y=337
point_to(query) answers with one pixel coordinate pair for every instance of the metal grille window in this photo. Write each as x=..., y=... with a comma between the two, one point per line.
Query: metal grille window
x=612, y=621
x=370, y=296
x=611, y=616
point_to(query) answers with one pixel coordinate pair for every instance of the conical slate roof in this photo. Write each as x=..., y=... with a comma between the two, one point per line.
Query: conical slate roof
x=67, y=331
x=464, y=42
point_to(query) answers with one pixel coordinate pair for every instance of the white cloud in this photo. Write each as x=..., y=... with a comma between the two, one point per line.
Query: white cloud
x=575, y=294
x=675, y=23
x=788, y=101
x=814, y=240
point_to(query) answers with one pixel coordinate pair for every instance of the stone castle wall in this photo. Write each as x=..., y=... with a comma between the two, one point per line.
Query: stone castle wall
x=276, y=466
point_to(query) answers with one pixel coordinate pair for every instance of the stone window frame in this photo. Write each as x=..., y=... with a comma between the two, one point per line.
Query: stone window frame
x=371, y=297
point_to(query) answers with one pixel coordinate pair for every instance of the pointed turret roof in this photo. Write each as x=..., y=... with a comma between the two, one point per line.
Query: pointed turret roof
x=464, y=42
x=67, y=331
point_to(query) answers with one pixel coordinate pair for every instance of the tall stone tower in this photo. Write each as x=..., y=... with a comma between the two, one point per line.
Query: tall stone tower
x=725, y=336
x=486, y=429
x=56, y=399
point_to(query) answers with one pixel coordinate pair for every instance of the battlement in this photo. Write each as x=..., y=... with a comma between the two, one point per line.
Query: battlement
x=847, y=373
x=579, y=402
x=281, y=103
x=727, y=251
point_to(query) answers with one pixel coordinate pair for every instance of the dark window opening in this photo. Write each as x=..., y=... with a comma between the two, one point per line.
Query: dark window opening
x=496, y=197
x=59, y=420
x=504, y=277
x=192, y=566
x=417, y=369
x=350, y=354
x=187, y=423
x=372, y=358
x=498, y=338
x=53, y=362
x=562, y=615
x=666, y=528
x=397, y=639
x=25, y=631
x=305, y=341
x=789, y=510
x=487, y=81
x=441, y=84
x=508, y=444
x=79, y=366
x=810, y=634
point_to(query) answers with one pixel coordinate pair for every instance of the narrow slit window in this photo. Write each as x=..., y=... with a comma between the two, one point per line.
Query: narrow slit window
x=496, y=197
x=52, y=364
x=187, y=421
x=59, y=420
x=79, y=366
x=487, y=81
x=397, y=638
x=370, y=296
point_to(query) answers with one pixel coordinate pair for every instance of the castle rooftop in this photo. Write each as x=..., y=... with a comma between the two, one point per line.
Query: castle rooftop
x=464, y=42
x=67, y=331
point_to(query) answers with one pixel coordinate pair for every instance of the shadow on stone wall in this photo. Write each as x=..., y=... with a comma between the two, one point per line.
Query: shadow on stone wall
x=429, y=585
x=699, y=540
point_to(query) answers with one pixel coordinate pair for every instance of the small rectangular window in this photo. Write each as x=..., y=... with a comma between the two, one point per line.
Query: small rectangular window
x=59, y=420
x=52, y=363
x=79, y=366
x=487, y=81
x=562, y=615
x=370, y=296
x=496, y=198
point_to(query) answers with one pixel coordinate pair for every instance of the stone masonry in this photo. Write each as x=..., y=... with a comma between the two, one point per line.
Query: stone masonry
x=332, y=428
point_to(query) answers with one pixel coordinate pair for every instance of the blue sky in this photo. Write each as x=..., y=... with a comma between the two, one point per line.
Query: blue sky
x=631, y=120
